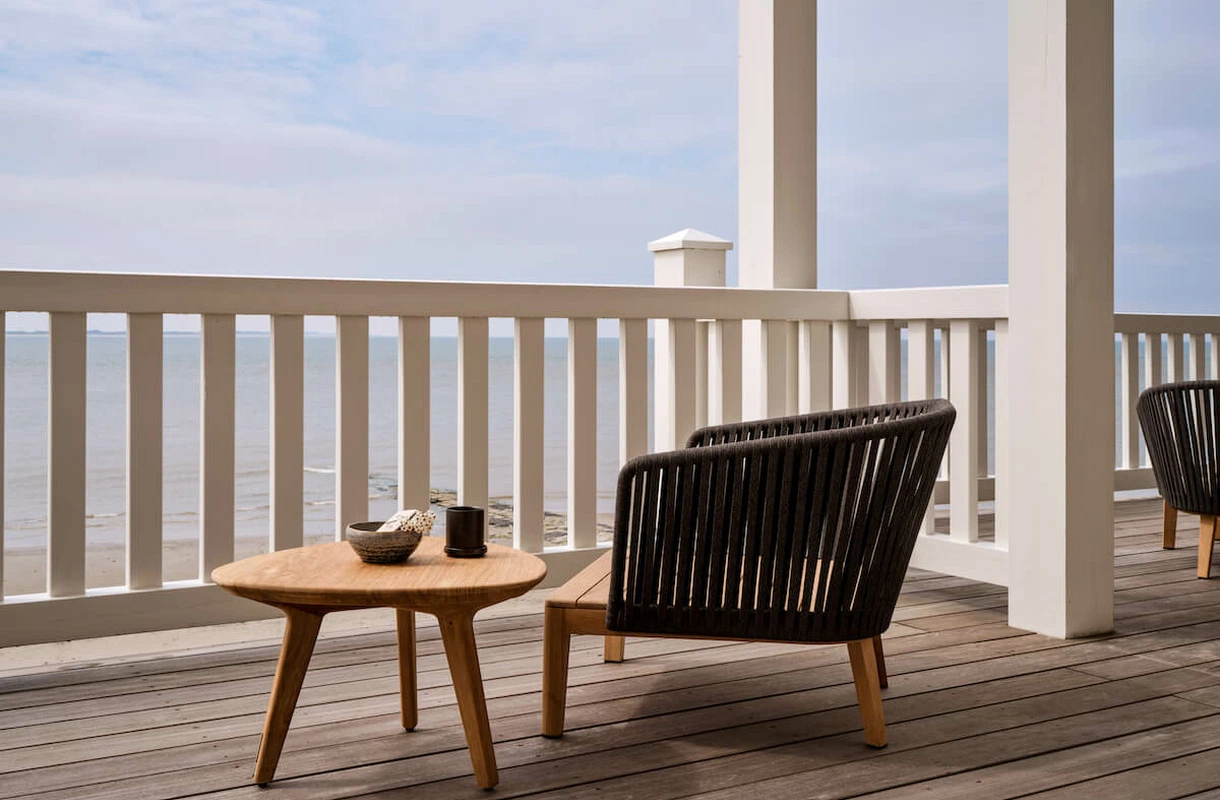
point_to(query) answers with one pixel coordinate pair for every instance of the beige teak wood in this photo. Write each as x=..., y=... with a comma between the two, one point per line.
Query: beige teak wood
x=309, y=582
x=579, y=607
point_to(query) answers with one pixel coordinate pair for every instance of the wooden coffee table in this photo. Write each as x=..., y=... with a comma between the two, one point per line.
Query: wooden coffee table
x=307, y=583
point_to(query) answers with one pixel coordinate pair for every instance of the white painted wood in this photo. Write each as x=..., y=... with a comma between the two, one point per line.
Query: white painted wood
x=3, y=339
x=582, y=432
x=859, y=352
x=216, y=441
x=921, y=381
x=194, y=294
x=980, y=375
x=978, y=561
x=884, y=363
x=945, y=349
x=414, y=412
x=1129, y=387
x=681, y=410
x=633, y=388
x=842, y=362
x=777, y=134
x=66, y=456
x=940, y=303
x=1213, y=356
x=528, y=428
x=963, y=441
x=724, y=372
x=1002, y=449
x=472, y=411
x=1165, y=323
x=1198, y=357
x=1153, y=356
x=792, y=370
x=702, y=346
x=287, y=524
x=773, y=388
x=1176, y=362
x=144, y=382
x=814, y=361
x=1061, y=315
x=351, y=422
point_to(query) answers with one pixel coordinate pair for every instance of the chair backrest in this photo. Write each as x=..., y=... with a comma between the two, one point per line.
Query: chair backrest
x=1179, y=423
x=795, y=529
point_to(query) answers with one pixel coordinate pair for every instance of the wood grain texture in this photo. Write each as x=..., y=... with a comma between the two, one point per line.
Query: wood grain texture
x=300, y=633
x=407, y=671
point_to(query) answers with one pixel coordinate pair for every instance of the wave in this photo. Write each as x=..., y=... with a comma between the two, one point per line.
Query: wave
x=321, y=470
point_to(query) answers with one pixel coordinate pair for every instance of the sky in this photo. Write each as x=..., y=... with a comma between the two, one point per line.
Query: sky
x=548, y=140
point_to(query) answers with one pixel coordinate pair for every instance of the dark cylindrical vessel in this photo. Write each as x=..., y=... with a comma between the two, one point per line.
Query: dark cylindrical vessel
x=464, y=532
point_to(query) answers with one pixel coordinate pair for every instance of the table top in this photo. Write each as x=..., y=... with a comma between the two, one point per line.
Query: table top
x=332, y=575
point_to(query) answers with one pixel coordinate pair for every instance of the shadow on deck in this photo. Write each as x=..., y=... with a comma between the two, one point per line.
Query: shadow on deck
x=974, y=709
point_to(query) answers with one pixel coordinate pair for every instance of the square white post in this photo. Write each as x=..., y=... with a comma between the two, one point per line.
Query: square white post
x=1061, y=306
x=777, y=76
x=686, y=258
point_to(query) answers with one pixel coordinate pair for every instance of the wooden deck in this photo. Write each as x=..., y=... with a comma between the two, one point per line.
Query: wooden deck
x=975, y=709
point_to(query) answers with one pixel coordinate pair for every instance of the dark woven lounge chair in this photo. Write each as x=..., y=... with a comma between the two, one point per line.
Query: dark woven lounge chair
x=792, y=530
x=1179, y=422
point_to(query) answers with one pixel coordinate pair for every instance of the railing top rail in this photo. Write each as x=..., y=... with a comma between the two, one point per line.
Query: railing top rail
x=936, y=302
x=97, y=292
x=1167, y=323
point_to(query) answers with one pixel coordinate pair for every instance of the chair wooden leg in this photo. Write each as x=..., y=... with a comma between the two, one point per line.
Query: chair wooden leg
x=555, y=643
x=406, y=669
x=1170, y=533
x=1207, y=538
x=882, y=677
x=300, y=634
x=612, y=649
x=868, y=690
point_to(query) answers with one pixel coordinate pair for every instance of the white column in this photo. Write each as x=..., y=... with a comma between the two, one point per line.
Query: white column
x=1061, y=304
x=686, y=258
x=777, y=71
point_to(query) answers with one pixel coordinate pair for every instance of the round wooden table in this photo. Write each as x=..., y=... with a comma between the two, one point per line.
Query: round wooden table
x=309, y=582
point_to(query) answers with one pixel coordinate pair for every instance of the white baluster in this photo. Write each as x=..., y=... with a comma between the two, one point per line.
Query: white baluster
x=66, y=457
x=216, y=445
x=859, y=370
x=883, y=362
x=1152, y=360
x=472, y=411
x=724, y=367
x=842, y=361
x=680, y=413
x=963, y=442
x=414, y=412
x=3, y=339
x=814, y=367
x=702, y=348
x=1213, y=356
x=633, y=388
x=1177, y=370
x=792, y=370
x=921, y=384
x=1001, y=434
x=582, y=432
x=287, y=523
x=1198, y=359
x=351, y=422
x=1129, y=385
x=144, y=382
x=980, y=376
x=774, y=387
x=528, y=413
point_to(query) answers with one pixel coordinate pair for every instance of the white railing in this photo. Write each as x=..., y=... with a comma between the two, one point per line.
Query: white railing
x=820, y=349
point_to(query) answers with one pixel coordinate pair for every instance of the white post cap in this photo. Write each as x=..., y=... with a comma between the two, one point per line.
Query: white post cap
x=689, y=239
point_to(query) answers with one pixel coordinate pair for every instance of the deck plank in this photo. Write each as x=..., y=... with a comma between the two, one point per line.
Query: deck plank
x=974, y=709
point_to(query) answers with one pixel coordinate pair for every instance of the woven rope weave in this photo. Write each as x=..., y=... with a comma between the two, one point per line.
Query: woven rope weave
x=794, y=529
x=1179, y=424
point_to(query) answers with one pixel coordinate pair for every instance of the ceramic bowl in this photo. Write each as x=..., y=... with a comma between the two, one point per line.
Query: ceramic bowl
x=381, y=547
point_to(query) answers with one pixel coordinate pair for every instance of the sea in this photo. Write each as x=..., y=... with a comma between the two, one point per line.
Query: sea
x=26, y=385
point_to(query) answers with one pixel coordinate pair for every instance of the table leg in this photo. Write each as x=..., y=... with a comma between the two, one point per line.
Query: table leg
x=406, y=668
x=299, y=636
x=457, y=632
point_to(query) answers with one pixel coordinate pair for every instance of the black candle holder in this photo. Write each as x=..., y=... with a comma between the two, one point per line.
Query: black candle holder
x=464, y=526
